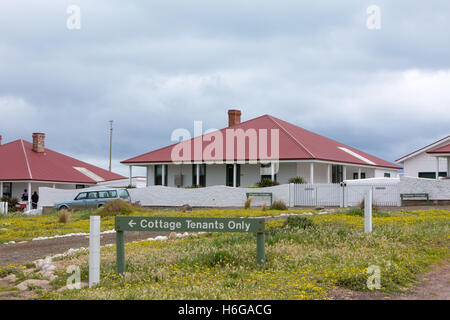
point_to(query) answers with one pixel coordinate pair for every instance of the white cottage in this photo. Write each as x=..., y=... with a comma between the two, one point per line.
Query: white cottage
x=431, y=161
x=265, y=147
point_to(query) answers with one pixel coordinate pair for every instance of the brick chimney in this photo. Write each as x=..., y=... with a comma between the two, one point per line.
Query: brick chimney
x=39, y=142
x=234, y=117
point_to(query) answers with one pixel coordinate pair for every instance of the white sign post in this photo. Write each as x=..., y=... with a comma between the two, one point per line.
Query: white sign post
x=94, y=251
x=368, y=211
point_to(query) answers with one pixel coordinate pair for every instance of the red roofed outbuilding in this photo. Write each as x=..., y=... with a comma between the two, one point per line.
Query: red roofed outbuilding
x=265, y=147
x=25, y=165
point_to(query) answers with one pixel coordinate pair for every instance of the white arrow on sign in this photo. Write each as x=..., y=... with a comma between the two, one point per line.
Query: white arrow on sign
x=131, y=223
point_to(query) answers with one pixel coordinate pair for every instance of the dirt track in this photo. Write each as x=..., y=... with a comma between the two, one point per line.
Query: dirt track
x=20, y=253
x=432, y=285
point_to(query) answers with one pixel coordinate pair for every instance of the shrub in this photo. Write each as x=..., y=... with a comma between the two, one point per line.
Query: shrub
x=266, y=182
x=186, y=207
x=11, y=203
x=356, y=211
x=64, y=216
x=115, y=207
x=264, y=207
x=278, y=205
x=299, y=222
x=248, y=202
x=297, y=180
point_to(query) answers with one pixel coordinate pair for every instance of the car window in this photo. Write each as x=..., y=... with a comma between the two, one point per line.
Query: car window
x=81, y=196
x=124, y=194
x=104, y=194
x=92, y=195
x=113, y=194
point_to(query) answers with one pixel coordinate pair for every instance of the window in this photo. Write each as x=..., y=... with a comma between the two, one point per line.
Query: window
x=337, y=173
x=81, y=196
x=7, y=189
x=80, y=186
x=158, y=175
x=112, y=194
x=355, y=175
x=123, y=194
x=387, y=175
x=266, y=172
x=93, y=195
x=103, y=194
x=202, y=170
x=431, y=175
x=229, y=175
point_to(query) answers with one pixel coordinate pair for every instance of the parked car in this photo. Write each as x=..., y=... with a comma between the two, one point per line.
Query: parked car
x=93, y=199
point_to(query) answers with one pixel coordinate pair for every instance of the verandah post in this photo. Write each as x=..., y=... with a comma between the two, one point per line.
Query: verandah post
x=120, y=251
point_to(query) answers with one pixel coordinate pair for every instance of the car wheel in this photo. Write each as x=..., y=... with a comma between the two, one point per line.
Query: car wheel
x=63, y=207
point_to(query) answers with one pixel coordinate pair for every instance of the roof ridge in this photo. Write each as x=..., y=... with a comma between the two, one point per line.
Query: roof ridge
x=422, y=149
x=273, y=119
x=26, y=159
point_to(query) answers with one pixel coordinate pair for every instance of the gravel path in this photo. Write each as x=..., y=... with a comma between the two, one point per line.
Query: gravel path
x=21, y=253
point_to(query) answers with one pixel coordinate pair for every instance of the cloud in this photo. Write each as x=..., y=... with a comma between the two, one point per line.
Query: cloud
x=156, y=66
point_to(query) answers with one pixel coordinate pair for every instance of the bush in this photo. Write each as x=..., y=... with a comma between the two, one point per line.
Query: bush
x=115, y=207
x=264, y=207
x=278, y=205
x=248, y=202
x=297, y=180
x=266, y=182
x=299, y=222
x=186, y=207
x=64, y=216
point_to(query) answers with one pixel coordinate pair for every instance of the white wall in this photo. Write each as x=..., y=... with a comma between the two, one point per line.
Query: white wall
x=217, y=196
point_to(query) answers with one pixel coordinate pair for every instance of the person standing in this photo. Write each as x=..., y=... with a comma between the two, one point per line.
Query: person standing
x=34, y=200
x=25, y=195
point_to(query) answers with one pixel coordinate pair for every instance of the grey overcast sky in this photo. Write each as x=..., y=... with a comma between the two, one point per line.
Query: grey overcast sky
x=154, y=66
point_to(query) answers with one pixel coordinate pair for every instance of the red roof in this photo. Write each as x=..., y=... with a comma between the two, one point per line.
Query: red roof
x=443, y=149
x=295, y=144
x=19, y=162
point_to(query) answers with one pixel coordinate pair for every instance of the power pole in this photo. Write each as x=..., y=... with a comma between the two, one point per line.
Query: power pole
x=110, y=143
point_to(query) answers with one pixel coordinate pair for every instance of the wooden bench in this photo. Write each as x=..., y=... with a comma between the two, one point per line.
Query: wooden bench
x=405, y=196
x=260, y=194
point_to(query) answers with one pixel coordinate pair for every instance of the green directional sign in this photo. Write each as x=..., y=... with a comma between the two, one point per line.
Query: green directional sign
x=189, y=224
x=178, y=224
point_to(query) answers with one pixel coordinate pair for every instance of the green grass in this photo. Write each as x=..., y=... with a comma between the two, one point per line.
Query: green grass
x=306, y=258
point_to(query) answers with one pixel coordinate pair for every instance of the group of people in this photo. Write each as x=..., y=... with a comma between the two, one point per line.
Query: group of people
x=34, y=198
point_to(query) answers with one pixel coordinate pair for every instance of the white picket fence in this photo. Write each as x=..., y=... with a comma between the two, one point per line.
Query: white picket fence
x=343, y=195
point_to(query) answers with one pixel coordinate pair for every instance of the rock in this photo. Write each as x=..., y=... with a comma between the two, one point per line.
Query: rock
x=172, y=235
x=44, y=284
x=3, y=229
x=10, y=278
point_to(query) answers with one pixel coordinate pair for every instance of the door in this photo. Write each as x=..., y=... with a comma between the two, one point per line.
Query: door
x=79, y=202
x=229, y=175
x=92, y=200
